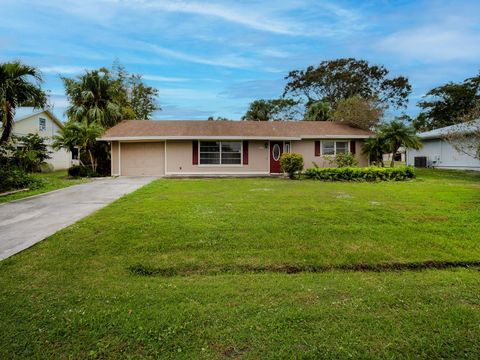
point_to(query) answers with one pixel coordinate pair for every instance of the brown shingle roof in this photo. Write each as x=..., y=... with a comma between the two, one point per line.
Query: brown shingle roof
x=198, y=129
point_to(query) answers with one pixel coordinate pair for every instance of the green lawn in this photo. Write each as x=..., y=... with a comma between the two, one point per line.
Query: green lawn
x=51, y=181
x=201, y=269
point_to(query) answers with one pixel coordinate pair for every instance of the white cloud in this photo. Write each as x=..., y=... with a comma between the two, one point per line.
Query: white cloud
x=163, y=78
x=63, y=69
x=318, y=18
x=250, y=19
x=232, y=61
x=433, y=43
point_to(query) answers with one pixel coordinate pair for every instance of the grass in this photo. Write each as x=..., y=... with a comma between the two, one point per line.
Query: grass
x=216, y=255
x=51, y=181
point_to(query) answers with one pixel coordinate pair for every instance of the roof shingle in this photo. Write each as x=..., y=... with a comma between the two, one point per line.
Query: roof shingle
x=200, y=128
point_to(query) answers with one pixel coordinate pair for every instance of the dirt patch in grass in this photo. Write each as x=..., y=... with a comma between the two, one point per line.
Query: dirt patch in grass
x=145, y=270
x=430, y=218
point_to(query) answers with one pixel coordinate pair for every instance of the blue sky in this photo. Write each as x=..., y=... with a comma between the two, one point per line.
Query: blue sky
x=214, y=57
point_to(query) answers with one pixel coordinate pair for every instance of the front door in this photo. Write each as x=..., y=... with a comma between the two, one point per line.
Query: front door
x=276, y=150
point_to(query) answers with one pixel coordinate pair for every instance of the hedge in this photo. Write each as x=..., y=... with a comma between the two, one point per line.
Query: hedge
x=13, y=178
x=361, y=174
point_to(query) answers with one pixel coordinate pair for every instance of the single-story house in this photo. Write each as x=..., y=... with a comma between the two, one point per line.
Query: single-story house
x=189, y=148
x=43, y=122
x=438, y=152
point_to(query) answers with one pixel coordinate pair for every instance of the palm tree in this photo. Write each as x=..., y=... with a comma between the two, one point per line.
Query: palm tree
x=93, y=96
x=82, y=135
x=259, y=110
x=19, y=84
x=374, y=148
x=318, y=111
x=397, y=134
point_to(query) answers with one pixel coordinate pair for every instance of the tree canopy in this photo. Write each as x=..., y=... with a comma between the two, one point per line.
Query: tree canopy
x=446, y=105
x=359, y=112
x=318, y=111
x=108, y=96
x=267, y=110
x=396, y=134
x=81, y=134
x=335, y=80
x=19, y=85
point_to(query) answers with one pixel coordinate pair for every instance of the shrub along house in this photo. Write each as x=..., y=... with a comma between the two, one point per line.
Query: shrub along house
x=205, y=148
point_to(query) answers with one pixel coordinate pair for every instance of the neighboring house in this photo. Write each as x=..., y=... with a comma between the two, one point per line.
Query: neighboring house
x=181, y=147
x=437, y=152
x=44, y=123
x=400, y=156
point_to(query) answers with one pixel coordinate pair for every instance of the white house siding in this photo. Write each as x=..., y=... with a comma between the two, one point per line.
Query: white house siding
x=446, y=155
x=60, y=159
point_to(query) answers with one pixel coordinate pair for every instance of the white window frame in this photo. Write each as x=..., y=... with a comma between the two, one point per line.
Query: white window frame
x=221, y=165
x=39, y=124
x=289, y=144
x=334, y=147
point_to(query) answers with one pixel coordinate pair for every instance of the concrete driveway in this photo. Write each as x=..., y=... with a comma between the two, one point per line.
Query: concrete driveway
x=25, y=222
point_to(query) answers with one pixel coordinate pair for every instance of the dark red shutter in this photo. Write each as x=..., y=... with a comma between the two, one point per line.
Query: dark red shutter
x=317, y=148
x=195, y=152
x=352, y=147
x=245, y=152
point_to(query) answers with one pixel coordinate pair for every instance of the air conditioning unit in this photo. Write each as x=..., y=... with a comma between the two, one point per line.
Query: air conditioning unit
x=420, y=161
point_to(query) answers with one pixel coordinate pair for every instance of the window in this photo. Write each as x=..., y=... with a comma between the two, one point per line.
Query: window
x=341, y=147
x=330, y=147
x=220, y=153
x=276, y=152
x=287, y=146
x=75, y=153
x=42, y=124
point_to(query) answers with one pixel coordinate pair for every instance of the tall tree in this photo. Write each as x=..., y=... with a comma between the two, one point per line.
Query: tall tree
x=318, y=111
x=137, y=100
x=109, y=96
x=359, y=112
x=267, y=110
x=19, y=84
x=142, y=98
x=92, y=97
x=445, y=105
x=340, y=79
x=396, y=134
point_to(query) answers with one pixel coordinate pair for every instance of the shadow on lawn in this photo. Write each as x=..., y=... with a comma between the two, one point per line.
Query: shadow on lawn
x=144, y=270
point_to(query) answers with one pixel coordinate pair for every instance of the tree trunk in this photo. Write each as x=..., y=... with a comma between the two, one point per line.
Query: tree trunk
x=392, y=164
x=8, y=124
x=94, y=165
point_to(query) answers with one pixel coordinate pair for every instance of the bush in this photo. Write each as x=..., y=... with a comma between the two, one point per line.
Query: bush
x=291, y=163
x=361, y=174
x=30, y=152
x=81, y=171
x=344, y=160
x=12, y=178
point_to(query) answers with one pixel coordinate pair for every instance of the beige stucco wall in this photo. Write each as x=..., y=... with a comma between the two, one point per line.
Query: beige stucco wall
x=307, y=149
x=142, y=158
x=114, y=158
x=179, y=160
x=148, y=158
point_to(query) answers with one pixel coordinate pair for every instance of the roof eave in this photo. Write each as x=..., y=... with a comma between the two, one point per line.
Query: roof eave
x=216, y=137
